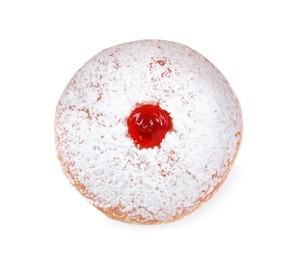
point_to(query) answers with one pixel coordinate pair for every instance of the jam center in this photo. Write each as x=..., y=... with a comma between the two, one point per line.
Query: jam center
x=148, y=125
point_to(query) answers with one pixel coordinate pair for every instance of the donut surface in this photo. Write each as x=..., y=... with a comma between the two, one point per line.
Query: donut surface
x=161, y=183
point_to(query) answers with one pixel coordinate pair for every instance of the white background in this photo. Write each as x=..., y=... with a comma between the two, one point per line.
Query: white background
x=43, y=43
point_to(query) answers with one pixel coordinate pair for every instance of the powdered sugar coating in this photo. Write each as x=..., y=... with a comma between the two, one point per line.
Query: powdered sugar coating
x=147, y=185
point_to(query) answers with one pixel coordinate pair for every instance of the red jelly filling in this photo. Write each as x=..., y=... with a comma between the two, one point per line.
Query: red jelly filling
x=148, y=125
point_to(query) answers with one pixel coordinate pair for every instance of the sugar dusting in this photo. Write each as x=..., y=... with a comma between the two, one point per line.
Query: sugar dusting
x=147, y=184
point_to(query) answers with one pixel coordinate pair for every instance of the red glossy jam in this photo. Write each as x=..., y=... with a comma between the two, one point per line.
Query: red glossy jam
x=148, y=125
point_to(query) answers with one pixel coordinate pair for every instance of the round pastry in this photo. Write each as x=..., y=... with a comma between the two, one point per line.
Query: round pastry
x=147, y=131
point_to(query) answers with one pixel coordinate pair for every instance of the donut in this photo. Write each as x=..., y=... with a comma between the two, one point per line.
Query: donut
x=147, y=131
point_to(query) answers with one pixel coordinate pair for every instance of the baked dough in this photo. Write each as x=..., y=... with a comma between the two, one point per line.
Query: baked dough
x=147, y=185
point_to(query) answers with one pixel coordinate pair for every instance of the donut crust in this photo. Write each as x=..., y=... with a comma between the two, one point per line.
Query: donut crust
x=161, y=74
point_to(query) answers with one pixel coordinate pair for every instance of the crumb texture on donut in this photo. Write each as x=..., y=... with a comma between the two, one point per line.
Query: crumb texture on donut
x=147, y=185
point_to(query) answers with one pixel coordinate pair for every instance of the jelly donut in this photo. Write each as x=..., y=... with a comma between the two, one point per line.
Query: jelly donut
x=147, y=131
